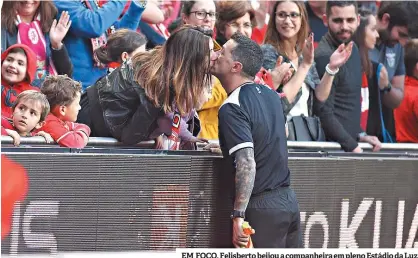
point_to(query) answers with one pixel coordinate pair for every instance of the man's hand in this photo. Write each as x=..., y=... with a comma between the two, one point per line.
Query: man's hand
x=239, y=238
x=340, y=56
x=373, y=140
x=47, y=136
x=357, y=150
x=15, y=136
x=383, y=78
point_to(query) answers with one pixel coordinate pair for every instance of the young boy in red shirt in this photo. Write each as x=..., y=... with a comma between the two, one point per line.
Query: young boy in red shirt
x=29, y=113
x=18, y=67
x=63, y=95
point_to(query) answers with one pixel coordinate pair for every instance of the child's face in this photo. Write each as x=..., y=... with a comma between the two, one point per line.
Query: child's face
x=71, y=110
x=26, y=116
x=13, y=69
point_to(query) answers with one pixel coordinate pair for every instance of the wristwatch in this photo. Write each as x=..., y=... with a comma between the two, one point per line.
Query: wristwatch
x=362, y=134
x=238, y=214
x=387, y=89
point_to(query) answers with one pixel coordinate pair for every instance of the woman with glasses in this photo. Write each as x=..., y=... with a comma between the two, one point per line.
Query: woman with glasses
x=130, y=103
x=199, y=13
x=287, y=40
x=234, y=16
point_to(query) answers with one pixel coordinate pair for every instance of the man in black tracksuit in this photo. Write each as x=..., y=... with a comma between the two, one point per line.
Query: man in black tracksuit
x=252, y=134
x=340, y=113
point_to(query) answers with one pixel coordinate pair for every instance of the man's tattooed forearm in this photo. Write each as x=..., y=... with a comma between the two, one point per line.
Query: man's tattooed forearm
x=244, y=178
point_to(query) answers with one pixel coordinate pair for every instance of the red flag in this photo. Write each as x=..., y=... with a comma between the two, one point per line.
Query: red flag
x=14, y=187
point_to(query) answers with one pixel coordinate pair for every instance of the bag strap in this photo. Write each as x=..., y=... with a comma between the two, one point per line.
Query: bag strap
x=310, y=129
x=386, y=135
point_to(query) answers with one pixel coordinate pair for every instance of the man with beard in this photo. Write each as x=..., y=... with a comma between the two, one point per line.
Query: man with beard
x=395, y=23
x=340, y=113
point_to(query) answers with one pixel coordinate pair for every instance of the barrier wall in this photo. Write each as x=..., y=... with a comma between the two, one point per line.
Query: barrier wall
x=107, y=199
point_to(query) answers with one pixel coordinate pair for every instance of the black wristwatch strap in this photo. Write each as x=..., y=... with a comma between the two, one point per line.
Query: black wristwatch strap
x=387, y=89
x=238, y=214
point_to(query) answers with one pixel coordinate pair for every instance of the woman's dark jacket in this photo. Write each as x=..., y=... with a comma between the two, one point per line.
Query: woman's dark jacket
x=119, y=107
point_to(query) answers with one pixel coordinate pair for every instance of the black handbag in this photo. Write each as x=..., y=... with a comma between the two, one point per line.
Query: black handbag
x=303, y=128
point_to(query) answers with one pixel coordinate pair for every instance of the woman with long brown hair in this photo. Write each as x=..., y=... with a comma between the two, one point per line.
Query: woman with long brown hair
x=127, y=103
x=366, y=37
x=287, y=39
x=32, y=23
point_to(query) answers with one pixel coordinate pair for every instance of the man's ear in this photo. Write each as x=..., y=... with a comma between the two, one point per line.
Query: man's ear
x=237, y=67
x=385, y=21
x=325, y=19
x=39, y=125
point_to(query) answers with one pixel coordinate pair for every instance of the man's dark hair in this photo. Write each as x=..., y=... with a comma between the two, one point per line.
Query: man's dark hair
x=248, y=53
x=402, y=13
x=331, y=4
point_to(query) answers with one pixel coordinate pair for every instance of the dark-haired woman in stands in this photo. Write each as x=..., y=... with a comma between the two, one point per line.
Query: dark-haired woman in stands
x=121, y=46
x=366, y=37
x=128, y=103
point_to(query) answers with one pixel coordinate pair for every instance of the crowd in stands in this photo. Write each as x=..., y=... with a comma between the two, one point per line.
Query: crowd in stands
x=346, y=71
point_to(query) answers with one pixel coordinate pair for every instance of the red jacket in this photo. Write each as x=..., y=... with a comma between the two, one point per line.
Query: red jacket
x=7, y=123
x=406, y=115
x=9, y=92
x=66, y=134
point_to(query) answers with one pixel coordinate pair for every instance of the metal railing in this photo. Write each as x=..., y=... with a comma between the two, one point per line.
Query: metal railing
x=309, y=146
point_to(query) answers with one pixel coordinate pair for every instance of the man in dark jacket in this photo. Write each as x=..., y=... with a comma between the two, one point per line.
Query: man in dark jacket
x=340, y=113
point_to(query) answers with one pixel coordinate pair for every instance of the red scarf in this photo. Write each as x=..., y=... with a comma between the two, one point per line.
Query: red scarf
x=31, y=35
x=102, y=40
x=364, y=102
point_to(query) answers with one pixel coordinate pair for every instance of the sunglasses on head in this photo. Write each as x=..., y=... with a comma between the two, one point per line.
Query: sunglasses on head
x=216, y=46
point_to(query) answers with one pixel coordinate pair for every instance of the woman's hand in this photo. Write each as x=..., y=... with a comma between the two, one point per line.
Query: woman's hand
x=159, y=143
x=308, y=50
x=281, y=74
x=59, y=30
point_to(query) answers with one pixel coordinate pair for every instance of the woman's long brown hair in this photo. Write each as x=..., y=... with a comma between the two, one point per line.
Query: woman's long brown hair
x=46, y=9
x=177, y=69
x=272, y=35
x=359, y=39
